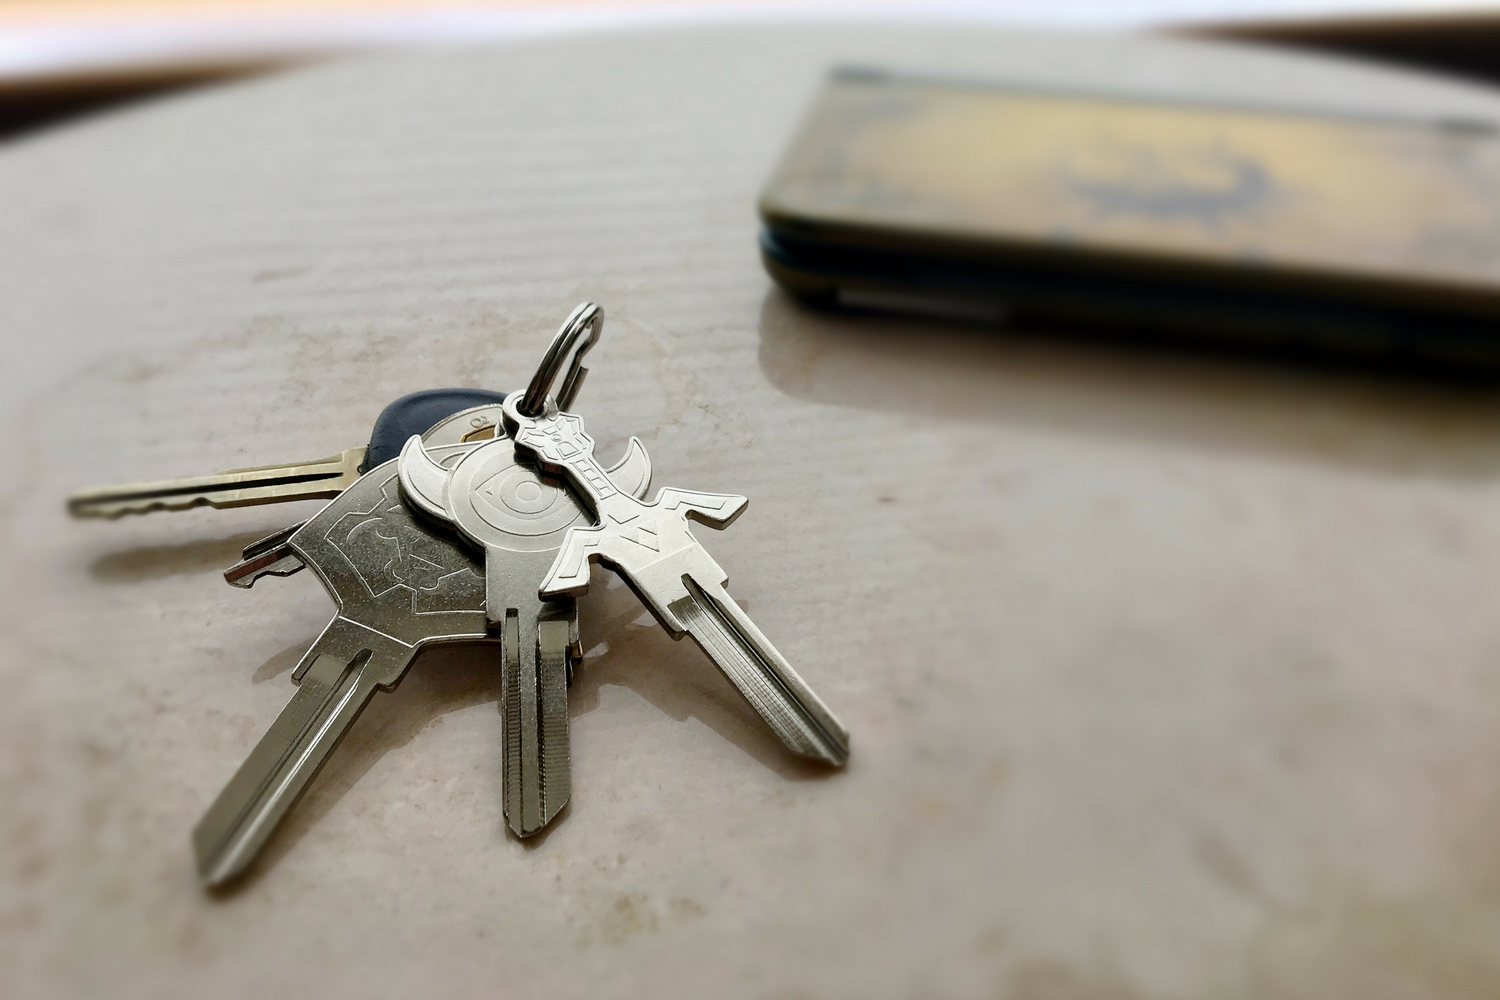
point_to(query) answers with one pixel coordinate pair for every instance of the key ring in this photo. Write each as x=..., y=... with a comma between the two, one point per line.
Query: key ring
x=567, y=350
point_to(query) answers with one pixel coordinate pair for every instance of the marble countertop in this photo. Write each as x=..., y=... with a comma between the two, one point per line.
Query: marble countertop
x=1167, y=677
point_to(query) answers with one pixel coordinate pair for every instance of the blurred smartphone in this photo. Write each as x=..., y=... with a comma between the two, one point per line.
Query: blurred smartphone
x=1357, y=237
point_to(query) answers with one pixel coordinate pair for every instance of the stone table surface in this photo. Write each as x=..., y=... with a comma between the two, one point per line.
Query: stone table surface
x=1167, y=677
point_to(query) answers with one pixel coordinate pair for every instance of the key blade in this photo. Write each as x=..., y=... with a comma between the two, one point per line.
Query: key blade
x=331, y=696
x=760, y=673
x=536, y=766
x=321, y=479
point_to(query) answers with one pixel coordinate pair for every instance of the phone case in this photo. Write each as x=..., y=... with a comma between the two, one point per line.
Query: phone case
x=1360, y=236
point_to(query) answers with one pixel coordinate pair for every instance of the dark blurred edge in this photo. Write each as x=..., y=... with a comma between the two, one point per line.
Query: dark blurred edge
x=28, y=105
x=1461, y=45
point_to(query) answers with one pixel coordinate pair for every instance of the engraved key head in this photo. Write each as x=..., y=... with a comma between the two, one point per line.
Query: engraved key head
x=391, y=570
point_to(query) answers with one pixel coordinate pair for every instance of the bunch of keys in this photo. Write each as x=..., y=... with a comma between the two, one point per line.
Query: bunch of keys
x=483, y=528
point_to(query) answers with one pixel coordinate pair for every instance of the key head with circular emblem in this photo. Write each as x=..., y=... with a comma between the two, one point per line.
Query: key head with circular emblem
x=499, y=501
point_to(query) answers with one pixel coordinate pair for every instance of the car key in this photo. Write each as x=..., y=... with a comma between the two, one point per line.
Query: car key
x=400, y=583
x=650, y=547
x=321, y=478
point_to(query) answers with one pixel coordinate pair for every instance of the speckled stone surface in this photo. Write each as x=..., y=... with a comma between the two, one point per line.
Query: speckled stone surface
x=1168, y=678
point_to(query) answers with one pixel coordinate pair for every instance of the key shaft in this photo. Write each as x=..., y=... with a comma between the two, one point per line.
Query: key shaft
x=322, y=478
x=400, y=585
x=331, y=696
x=497, y=502
x=760, y=673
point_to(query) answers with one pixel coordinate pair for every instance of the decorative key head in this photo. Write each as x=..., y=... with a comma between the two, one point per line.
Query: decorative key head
x=388, y=569
x=498, y=500
x=557, y=438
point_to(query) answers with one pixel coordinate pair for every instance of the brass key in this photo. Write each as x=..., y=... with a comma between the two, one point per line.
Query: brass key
x=322, y=479
x=319, y=479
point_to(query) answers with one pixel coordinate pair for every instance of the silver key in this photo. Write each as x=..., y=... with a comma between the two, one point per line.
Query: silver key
x=400, y=584
x=498, y=503
x=519, y=521
x=650, y=547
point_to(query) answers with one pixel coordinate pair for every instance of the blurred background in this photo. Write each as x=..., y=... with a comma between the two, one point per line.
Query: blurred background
x=62, y=58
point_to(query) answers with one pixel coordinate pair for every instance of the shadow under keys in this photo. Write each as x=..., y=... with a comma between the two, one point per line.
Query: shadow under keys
x=674, y=676
x=155, y=562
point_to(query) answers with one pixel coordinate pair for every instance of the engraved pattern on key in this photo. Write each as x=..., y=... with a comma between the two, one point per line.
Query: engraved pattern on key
x=386, y=554
x=652, y=549
x=500, y=504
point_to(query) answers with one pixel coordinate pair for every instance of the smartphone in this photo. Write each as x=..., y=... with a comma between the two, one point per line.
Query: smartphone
x=1356, y=237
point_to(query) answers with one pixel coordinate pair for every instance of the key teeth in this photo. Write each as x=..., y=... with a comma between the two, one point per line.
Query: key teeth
x=244, y=574
x=269, y=556
x=115, y=510
x=322, y=478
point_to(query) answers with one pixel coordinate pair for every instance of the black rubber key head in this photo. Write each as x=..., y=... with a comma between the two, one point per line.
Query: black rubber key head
x=414, y=414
